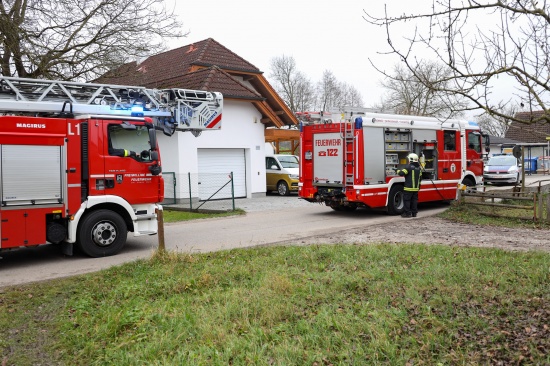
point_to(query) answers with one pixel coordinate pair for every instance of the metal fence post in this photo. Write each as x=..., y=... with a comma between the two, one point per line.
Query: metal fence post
x=190, y=193
x=175, y=184
x=232, y=192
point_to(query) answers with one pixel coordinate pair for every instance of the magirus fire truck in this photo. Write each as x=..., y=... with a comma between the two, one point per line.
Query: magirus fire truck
x=79, y=162
x=353, y=162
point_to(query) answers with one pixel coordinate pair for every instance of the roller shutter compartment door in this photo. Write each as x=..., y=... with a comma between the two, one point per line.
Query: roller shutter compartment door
x=215, y=166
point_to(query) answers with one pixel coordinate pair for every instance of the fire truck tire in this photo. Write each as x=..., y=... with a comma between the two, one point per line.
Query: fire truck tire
x=470, y=184
x=395, y=200
x=282, y=188
x=102, y=233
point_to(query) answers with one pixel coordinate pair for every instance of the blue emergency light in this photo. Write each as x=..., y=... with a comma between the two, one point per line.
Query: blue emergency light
x=137, y=110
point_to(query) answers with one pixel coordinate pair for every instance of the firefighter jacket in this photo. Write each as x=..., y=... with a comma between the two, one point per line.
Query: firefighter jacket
x=412, y=175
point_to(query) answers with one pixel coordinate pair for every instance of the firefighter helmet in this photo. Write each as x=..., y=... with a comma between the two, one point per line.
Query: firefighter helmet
x=413, y=158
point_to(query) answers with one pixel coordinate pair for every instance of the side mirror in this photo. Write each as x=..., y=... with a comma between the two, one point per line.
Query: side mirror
x=154, y=155
x=155, y=169
x=153, y=141
x=274, y=167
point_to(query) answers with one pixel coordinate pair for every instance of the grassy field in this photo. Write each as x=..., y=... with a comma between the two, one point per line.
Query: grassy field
x=316, y=305
x=484, y=215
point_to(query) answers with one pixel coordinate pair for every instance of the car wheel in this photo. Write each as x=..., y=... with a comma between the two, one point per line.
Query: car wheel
x=396, y=203
x=101, y=233
x=282, y=188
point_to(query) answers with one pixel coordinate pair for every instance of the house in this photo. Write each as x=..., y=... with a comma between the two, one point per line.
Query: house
x=534, y=136
x=250, y=106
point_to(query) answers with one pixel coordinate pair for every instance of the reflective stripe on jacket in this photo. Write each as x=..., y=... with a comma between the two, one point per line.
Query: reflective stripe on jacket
x=413, y=176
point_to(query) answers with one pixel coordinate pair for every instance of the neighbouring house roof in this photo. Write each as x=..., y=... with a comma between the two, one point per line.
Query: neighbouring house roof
x=209, y=66
x=529, y=132
x=497, y=140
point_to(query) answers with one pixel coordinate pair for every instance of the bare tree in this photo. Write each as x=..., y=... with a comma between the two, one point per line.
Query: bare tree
x=332, y=93
x=305, y=94
x=350, y=96
x=80, y=40
x=328, y=91
x=299, y=93
x=407, y=92
x=510, y=44
x=497, y=126
x=293, y=86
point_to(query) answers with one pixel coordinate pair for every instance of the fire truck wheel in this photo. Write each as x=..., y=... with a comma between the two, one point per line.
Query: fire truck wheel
x=282, y=188
x=470, y=184
x=102, y=233
x=395, y=200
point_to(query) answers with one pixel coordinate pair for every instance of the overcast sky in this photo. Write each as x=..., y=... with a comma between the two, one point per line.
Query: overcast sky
x=319, y=34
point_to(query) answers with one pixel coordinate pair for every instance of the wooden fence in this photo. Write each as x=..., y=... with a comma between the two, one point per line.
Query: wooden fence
x=538, y=204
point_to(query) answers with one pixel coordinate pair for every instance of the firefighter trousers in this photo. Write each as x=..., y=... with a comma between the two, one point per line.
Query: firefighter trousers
x=410, y=200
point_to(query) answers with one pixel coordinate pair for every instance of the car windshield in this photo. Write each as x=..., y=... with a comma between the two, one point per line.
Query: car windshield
x=502, y=160
x=288, y=161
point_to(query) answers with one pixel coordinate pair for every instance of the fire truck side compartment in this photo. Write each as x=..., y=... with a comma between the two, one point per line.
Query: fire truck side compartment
x=374, y=159
x=31, y=175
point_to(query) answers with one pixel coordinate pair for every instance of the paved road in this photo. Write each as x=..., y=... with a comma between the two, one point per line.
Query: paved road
x=269, y=220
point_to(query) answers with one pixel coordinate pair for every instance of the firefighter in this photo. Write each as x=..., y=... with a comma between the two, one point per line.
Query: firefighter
x=413, y=175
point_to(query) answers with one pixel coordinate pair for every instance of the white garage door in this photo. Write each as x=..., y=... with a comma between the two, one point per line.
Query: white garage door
x=215, y=166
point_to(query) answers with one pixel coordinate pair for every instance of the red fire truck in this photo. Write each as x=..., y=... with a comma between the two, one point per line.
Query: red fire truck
x=353, y=162
x=79, y=162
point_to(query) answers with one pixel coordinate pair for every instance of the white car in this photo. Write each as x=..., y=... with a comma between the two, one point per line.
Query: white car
x=504, y=169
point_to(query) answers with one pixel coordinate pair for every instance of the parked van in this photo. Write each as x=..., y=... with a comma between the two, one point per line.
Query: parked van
x=282, y=172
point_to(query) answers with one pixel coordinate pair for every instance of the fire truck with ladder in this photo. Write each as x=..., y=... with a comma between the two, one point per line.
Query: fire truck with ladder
x=80, y=164
x=353, y=162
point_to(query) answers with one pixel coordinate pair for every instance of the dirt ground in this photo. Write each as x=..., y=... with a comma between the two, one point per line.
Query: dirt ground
x=433, y=230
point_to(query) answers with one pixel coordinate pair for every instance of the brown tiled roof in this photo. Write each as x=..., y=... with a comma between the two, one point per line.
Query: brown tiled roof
x=170, y=64
x=529, y=132
x=212, y=79
x=185, y=66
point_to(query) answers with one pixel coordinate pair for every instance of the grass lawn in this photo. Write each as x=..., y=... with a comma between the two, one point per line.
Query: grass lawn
x=315, y=305
x=176, y=216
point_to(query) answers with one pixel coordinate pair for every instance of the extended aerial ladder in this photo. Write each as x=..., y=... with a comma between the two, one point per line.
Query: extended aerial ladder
x=171, y=109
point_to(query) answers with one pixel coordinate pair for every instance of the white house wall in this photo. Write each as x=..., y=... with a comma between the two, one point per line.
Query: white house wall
x=241, y=129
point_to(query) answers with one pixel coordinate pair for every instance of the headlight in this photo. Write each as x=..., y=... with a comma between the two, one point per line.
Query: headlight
x=294, y=176
x=513, y=169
